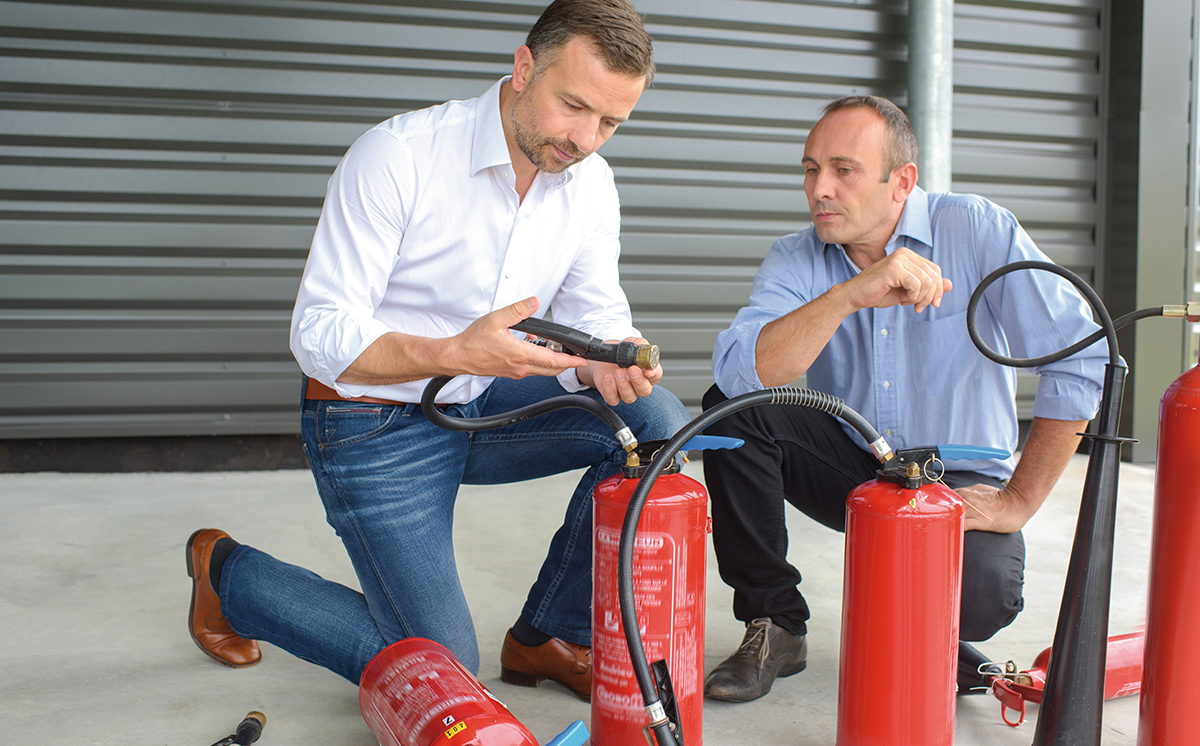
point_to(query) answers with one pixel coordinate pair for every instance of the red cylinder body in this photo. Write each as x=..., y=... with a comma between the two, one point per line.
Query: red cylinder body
x=1170, y=708
x=669, y=590
x=900, y=608
x=416, y=693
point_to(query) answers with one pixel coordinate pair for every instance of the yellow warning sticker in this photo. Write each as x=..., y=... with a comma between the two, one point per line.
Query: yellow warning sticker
x=458, y=727
x=912, y=503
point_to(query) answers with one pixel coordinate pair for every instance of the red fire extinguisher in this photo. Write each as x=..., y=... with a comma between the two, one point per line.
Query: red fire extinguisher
x=1170, y=707
x=416, y=693
x=900, y=604
x=670, y=555
x=1122, y=676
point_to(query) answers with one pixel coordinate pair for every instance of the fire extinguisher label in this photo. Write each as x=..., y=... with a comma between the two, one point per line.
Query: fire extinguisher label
x=458, y=728
x=654, y=584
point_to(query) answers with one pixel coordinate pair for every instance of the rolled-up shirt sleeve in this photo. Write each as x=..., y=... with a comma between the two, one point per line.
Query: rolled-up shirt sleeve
x=354, y=251
x=1042, y=313
x=778, y=290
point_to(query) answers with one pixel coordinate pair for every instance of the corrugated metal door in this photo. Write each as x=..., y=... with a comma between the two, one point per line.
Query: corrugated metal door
x=164, y=165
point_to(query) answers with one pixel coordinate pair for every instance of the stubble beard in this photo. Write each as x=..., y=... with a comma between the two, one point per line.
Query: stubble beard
x=534, y=146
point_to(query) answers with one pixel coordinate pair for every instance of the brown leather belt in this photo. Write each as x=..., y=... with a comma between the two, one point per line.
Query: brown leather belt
x=318, y=390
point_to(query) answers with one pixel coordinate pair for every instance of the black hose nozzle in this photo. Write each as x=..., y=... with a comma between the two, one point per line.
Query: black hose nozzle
x=248, y=731
x=574, y=342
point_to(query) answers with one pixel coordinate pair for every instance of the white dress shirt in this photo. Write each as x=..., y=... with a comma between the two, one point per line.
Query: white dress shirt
x=423, y=232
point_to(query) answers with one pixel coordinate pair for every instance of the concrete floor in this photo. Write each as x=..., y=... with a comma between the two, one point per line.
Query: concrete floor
x=94, y=596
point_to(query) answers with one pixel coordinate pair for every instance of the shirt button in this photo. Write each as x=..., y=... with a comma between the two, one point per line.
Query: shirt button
x=883, y=332
x=506, y=174
x=887, y=432
x=887, y=384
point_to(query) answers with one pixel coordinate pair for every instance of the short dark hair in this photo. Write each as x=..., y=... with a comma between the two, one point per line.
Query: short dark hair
x=902, y=143
x=614, y=27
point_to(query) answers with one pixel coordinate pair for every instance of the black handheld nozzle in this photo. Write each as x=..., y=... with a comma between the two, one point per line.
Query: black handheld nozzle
x=248, y=731
x=574, y=342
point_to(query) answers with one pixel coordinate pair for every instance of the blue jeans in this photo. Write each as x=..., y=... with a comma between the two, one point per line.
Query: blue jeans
x=388, y=479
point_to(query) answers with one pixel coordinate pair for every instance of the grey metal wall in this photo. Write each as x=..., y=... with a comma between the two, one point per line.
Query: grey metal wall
x=162, y=165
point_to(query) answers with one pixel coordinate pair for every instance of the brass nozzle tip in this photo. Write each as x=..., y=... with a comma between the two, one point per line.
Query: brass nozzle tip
x=632, y=461
x=256, y=715
x=647, y=357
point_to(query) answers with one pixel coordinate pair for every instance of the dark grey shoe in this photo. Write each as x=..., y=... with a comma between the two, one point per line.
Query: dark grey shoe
x=767, y=651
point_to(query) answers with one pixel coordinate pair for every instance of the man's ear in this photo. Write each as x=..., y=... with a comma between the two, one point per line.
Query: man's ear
x=906, y=181
x=522, y=68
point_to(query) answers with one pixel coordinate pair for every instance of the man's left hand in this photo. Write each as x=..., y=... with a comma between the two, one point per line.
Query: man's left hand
x=990, y=508
x=618, y=384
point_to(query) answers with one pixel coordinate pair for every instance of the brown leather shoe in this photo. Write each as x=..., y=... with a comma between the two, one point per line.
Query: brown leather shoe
x=206, y=624
x=568, y=664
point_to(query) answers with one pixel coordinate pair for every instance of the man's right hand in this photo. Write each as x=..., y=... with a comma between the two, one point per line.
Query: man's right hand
x=485, y=348
x=488, y=348
x=901, y=278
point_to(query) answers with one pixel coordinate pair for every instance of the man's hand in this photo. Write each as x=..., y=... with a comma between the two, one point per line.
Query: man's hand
x=788, y=345
x=618, y=384
x=902, y=277
x=992, y=509
x=488, y=348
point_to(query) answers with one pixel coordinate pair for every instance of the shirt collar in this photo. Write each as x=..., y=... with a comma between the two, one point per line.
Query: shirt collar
x=914, y=220
x=490, y=148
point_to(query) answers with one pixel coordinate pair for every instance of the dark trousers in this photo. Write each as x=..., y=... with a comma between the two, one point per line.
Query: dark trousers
x=802, y=456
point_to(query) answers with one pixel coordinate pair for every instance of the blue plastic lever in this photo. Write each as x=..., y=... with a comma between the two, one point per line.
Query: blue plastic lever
x=711, y=443
x=574, y=735
x=955, y=452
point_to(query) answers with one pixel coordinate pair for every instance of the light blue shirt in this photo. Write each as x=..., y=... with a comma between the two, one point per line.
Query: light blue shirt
x=917, y=377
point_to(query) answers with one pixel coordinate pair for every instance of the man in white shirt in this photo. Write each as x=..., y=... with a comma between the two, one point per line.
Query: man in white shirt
x=441, y=229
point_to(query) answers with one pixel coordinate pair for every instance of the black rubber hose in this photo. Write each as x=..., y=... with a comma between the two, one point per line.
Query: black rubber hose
x=472, y=424
x=633, y=638
x=1108, y=329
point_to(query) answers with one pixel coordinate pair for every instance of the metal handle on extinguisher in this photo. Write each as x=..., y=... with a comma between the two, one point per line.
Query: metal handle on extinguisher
x=969, y=453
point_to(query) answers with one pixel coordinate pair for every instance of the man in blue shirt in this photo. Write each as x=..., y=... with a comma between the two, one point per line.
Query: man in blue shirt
x=870, y=304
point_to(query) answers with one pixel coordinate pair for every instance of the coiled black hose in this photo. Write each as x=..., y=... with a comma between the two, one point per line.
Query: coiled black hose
x=633, y=638
x=1108, y=328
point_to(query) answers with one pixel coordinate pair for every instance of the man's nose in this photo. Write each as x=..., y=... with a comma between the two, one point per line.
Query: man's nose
x=585, y=138
x=821, y=185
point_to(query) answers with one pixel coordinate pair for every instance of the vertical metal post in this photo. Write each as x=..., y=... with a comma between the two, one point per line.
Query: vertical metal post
x=931, y=87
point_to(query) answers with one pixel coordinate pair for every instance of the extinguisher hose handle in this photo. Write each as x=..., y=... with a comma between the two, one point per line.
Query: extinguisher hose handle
x=472, y=424
x=574, y=342
x=625, y=591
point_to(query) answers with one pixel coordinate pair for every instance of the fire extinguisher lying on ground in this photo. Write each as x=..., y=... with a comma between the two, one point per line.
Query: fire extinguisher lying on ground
x=416, y=693
x=1013, y=688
